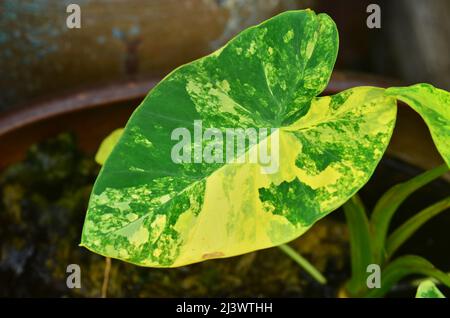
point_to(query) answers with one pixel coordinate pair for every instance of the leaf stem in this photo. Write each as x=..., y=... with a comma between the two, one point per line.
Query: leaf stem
x=360, y=244
x=106, y=277
x=300, y=260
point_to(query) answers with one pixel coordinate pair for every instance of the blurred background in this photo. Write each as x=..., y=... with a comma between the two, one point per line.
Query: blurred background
x=119, y=39
x=63, y=90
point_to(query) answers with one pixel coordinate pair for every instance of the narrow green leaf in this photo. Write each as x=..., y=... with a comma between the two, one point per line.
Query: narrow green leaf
x=360, y=244
x=407, y=229
x=107, y=146
x=433, y=104
x=388, y=204
x=405, y=266
x=418, y=281
x=427, y=289
x=303, y=262
x=147, y=209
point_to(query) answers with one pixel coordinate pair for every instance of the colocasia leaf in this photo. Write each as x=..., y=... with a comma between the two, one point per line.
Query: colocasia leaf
x=169, y=194
x=433, y=104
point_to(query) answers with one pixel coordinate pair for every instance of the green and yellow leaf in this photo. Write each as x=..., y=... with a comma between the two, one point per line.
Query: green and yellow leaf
x=407, y=229
x=433, y=104
x=148, y=210
x=107, y=146
x=427, y=289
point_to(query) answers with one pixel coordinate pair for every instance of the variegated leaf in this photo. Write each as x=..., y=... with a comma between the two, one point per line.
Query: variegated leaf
x=149, y=210
x=427, y=289
x=433, y=104
x=107, y=146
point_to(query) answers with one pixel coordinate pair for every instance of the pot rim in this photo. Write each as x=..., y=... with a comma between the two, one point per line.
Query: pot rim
x=99, y=97
x=122, y=91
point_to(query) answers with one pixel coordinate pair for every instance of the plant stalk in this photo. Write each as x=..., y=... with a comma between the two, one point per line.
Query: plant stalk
x=307, y=266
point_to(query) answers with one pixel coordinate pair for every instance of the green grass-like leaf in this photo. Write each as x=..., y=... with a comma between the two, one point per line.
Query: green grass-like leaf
x=360, y=244
x=405, y=266
x=407, y=229
x=388, y=204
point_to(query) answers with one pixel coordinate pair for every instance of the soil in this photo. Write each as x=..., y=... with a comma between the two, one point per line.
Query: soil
x=42, y=208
